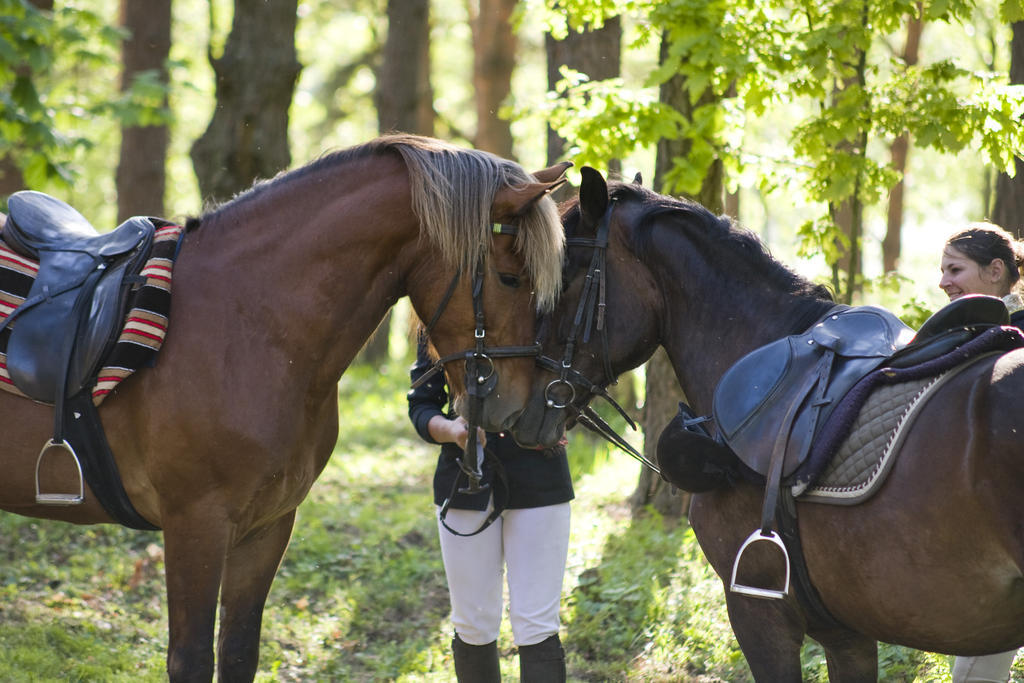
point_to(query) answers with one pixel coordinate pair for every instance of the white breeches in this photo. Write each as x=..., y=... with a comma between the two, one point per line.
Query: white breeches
x=988, y=668
x=533, y=544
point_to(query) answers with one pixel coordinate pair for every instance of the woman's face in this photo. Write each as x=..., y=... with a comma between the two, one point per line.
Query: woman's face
x=963, y=275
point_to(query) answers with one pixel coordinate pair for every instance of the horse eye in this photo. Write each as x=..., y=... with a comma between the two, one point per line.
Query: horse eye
x=508, y=279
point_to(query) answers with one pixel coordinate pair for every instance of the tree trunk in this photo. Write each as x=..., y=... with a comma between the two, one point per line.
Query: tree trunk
x=1009, y=205
x=247, y=137
x=595, y=52
x=660, y=405
x=849, y=217
x=11, y=179
x=494, y=53
x=663, y=392
x=848, y=214
x=405, y=102
x=140, y=171
x=404, y=96
x=892, y=242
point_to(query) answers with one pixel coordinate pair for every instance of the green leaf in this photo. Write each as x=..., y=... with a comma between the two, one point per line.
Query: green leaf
x=1011, y=11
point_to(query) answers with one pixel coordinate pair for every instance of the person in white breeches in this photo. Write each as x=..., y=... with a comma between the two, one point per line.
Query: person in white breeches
x=532, y=543
x=516, y=525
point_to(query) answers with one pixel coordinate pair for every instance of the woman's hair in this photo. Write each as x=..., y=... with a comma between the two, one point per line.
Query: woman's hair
x=984, y=242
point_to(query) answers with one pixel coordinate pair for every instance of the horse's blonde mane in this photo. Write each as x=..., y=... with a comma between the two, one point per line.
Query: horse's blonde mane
x=452, y=192
x=453, y=189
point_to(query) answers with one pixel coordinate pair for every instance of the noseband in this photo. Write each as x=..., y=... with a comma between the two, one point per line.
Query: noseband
x=590, y=317
x=481, y=377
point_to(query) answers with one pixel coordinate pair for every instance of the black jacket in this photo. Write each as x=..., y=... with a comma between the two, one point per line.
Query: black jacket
x=522, y=478
x=1017, y=319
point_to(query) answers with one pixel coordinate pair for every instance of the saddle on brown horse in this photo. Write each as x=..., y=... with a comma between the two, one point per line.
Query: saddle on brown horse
x=74, y=311
x=76, y=304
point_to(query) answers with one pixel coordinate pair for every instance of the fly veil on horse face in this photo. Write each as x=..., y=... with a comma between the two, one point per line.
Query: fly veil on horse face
x=932, y=559
x=274, y=294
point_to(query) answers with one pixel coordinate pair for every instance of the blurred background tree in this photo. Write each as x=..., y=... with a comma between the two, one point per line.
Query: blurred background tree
x=145, y=48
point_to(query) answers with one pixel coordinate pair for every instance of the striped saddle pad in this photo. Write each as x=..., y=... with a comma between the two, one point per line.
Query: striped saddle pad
x=145, y=324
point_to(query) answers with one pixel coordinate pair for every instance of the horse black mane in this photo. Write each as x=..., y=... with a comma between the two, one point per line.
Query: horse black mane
x=719, y=234
x=722, y=231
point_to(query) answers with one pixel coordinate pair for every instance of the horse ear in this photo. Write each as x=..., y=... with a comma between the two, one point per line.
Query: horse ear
x=552, y=173
x=638, y=179
x=593, y=195
x=513, y=200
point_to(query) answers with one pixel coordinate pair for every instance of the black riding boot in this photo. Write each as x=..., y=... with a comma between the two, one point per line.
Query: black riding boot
x=543, y=662
x=476, y=663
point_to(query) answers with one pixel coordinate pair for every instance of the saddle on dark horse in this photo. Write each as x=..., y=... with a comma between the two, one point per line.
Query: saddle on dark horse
x=783, y=409
x=67, y=325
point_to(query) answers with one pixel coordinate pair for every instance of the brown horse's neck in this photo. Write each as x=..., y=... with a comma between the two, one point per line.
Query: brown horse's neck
x=310, y=307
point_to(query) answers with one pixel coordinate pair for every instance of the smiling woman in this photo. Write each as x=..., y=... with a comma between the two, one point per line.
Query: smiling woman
x=984, y=259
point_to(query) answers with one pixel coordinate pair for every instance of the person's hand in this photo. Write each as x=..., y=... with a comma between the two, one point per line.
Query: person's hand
x=456, y=430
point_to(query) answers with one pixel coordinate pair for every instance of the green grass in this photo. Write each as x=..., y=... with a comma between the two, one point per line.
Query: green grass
x=361, y=593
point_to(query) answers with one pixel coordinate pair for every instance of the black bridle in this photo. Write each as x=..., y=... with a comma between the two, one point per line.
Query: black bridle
x=589, y=317
x=480, y=380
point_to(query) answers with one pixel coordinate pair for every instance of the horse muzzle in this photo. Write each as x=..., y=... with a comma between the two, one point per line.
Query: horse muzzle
x=540, y=425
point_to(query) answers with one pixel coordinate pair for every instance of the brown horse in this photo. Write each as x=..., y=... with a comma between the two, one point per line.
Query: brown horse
x=274, y=294
x=933, y=561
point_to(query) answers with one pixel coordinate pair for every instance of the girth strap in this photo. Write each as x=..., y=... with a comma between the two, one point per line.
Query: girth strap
x=806, y=594
x=85, y=431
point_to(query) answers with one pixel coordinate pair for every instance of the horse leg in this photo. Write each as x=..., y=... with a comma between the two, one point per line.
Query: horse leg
x=194, y=549
x=770, y=634
x=248, y=573
x=851, y=656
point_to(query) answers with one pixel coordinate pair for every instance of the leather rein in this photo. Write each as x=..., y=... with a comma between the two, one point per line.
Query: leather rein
x=589, y=317
x=480, y=381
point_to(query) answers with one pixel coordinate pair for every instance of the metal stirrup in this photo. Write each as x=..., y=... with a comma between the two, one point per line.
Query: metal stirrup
x=60, y=498
x=770, y=593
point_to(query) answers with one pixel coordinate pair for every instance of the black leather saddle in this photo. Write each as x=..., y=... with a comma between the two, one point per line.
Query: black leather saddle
x=950, y=327
x=75, y=308
x=70, y=320
x=804, y=376
x=781, y=393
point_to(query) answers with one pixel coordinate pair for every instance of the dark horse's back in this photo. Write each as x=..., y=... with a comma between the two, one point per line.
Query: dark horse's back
x=940, y=546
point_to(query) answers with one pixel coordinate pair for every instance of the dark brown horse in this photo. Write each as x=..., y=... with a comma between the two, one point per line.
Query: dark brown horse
x=274, y=294
x=933, y=561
